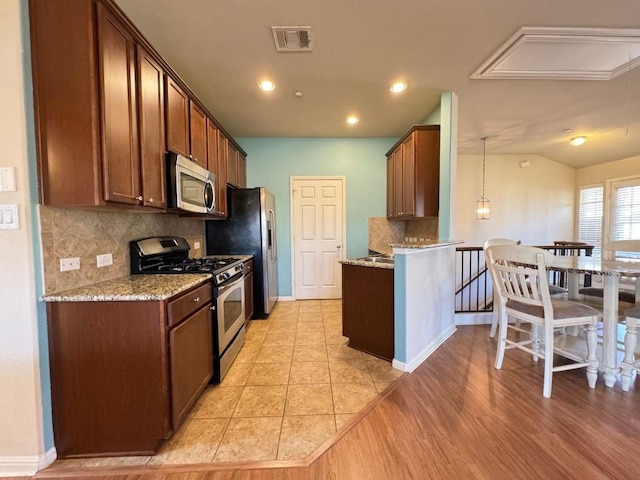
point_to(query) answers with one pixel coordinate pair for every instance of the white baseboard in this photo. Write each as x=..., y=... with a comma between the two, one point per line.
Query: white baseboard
x=424, y=354
x=26, y=465
x=286, y=299
x=474, y=318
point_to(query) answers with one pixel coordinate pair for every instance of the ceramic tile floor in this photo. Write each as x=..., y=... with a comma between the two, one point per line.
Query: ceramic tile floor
x=293, y=385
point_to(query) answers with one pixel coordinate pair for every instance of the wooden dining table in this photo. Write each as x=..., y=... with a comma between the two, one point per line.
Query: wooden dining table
x=611, y=271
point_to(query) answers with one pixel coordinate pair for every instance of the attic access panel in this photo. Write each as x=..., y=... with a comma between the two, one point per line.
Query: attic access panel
x=564, y=54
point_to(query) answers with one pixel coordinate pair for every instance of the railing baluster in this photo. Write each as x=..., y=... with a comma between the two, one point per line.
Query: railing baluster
x=474, y=276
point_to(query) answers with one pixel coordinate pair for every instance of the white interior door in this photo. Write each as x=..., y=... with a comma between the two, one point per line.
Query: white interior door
x=317, y=205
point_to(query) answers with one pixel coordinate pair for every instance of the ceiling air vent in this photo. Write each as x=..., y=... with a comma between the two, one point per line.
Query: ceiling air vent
x=292, y=39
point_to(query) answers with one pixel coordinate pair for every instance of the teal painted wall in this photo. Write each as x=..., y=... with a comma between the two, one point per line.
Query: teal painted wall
x=271, y=161
x=45, y=380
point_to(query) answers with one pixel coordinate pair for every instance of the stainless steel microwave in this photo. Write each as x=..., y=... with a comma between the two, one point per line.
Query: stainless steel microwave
x=190, y=187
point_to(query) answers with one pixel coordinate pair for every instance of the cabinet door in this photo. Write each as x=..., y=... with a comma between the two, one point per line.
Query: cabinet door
x=191, y=361
x=221, y=184
x=151, y=117
x=232, y=165
x=409, y=176
x=242, y=171
x=177, y=105
x=398, y=182
x=198, y=128
x=120, y=161
x=390, y=185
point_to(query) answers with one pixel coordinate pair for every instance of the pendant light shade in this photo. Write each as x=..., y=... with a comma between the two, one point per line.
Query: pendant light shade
x=483, y=205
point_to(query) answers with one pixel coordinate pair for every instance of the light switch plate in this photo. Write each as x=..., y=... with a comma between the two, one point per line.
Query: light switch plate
x=9, y=217
x=7, y=179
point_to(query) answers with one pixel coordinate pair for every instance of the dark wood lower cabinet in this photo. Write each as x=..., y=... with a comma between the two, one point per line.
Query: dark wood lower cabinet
x=122, y=380
x=367, y=309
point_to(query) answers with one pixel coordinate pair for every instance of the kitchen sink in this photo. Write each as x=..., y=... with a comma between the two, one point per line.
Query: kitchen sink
x=376, y=259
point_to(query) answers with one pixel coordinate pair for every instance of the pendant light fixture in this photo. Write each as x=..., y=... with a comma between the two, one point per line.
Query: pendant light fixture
x=483, y=204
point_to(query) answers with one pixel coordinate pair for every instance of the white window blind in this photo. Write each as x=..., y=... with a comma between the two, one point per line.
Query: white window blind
x=625, y=223
x=590, y=217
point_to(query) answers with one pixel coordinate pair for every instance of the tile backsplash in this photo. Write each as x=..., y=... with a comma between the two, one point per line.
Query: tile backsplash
x=72, y=232
x=383, y=232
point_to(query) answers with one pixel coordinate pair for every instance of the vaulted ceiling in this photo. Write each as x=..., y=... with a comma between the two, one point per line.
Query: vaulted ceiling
x=223, y=48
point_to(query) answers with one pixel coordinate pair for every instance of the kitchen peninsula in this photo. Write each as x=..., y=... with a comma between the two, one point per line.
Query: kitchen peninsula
x=423, y=298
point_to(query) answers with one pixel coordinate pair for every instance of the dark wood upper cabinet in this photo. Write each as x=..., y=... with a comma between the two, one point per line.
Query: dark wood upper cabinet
x=120, y=160
x=198, y=128
x=151, y=127
x=232, y=165
x=218, y=165
x=177, y=119
x=413, y=174
x=242, y=170
x=108, y=107
x=236, y=167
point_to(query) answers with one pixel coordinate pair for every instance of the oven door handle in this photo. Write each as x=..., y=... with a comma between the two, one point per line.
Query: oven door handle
x=227, y=286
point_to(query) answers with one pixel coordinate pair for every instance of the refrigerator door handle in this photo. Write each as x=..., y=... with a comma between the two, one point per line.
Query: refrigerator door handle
x=274, y=247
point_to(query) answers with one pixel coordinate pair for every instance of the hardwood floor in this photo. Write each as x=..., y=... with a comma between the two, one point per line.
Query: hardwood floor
x=456, y=417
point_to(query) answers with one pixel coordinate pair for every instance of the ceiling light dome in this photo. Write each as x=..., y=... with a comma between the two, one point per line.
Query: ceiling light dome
x=398, y=87
x=352, y=120
x=577, y=141
x=267, y=85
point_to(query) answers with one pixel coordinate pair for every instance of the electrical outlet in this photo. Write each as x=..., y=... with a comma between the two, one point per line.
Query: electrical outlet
x=67, y=264
x=104, y=260
x=196, y=245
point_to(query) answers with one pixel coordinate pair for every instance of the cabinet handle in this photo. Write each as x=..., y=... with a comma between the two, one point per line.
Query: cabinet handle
x=139, y=198
x=212, y=307
x=150, y=199
x=197, y=299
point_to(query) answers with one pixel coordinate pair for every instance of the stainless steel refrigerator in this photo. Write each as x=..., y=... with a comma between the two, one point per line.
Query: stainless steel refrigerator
x=250, y=230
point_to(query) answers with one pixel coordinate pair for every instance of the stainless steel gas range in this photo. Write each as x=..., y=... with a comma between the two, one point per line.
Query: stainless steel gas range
x=170, y=255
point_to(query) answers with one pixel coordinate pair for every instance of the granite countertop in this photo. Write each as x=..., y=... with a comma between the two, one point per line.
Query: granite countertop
x=427, y=244
x=132, y=288
x=367, y=263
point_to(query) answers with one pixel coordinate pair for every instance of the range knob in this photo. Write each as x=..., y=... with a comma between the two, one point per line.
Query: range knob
x=225, y=276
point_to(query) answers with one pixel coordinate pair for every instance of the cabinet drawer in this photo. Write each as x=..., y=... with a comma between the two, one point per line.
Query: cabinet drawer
x=247, y=267
x=185, y=305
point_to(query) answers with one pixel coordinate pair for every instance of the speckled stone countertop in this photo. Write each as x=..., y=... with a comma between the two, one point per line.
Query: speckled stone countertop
x=132, y=288
x=427, y=244
x=365, y=263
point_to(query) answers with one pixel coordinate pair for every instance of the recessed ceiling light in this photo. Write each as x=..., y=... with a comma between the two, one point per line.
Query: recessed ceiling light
x=298, y=94
x=352, y=120
x=267, y=85
x=398, y=87
x=577, y=141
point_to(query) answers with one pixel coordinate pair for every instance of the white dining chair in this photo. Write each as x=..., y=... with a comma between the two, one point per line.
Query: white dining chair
x=522, y=285
x=630, y=362
x=553, y=289
x=490, y=243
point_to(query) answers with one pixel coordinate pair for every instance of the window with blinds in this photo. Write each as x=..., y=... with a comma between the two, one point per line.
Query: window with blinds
x=590, y=217
x=625, y=218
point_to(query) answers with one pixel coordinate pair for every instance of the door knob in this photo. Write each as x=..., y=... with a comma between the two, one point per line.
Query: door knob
x=338, y=246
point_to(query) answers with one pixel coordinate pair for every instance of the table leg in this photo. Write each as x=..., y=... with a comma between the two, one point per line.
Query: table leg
x=573, y=285
x=610, y=329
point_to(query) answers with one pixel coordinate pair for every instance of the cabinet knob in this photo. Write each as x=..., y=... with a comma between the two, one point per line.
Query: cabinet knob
x=139, y=198
x=196, y=300
x=150, y=199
